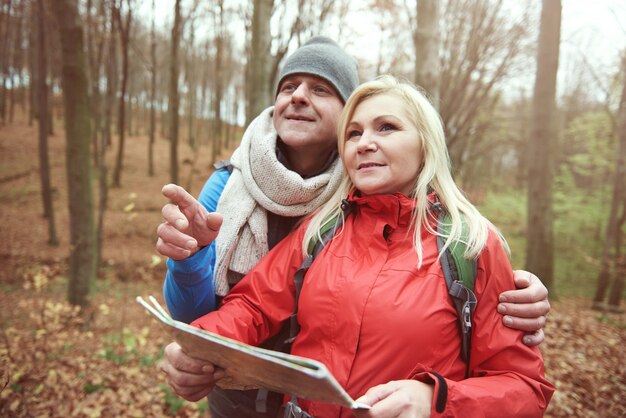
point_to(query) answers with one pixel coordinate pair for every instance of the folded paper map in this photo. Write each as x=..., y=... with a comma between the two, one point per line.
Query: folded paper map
x=248, y=367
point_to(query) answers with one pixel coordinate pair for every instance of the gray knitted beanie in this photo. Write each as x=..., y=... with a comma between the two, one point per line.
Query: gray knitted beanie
x=322, y=57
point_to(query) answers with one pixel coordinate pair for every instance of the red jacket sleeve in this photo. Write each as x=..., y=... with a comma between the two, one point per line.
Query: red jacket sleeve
x=256, y=307
x=506, y=376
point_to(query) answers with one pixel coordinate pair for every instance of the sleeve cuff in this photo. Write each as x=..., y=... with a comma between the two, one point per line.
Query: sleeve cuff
x=188, y=272
x=440, y=393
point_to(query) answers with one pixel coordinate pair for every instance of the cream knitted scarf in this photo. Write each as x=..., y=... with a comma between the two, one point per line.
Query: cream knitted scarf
x=260, y=183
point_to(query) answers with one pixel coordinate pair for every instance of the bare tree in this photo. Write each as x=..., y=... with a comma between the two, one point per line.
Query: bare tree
x=218, y=88
x=100, y=138
x=52, y=44
x=204, y=89
x=32, y=62
x=426, y=39
x=613, y=262
x=5, y=33
x=307, y=19
x=481, y=46
x=153, y=72
x=95, y=48
x=77, y=132
x=20, y=55
x=282, y=41
x=540, y=240
x=257, y=68
x=16, y=56
x=111, y=80
x=173, y=93
x=44, y=161
x=124, y=28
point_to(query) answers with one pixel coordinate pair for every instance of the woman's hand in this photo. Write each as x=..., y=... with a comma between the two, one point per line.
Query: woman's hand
x=189, y=378
x=399, y=399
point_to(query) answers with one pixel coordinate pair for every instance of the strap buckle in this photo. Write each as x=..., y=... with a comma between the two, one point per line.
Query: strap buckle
x=293, y=410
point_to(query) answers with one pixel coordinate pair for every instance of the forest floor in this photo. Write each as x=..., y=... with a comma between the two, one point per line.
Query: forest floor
x=54, y=362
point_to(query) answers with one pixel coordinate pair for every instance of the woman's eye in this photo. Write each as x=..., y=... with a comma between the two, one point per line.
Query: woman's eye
x=353, y=133
x=387, y=127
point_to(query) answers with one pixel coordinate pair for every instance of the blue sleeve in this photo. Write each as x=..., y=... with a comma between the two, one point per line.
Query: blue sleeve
x=188, y=289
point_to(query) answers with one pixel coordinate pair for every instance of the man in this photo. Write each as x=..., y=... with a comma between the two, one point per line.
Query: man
x=284, y=169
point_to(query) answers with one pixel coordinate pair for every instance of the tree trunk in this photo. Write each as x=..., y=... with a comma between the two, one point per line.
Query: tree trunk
x=51, y=106
x=77, y=132
x=617, y=289
x=200, y=137
x=32, y=63
x=103, y=197
x=111, y=77
x=427, y=42
x=218, y=91
x=124, y=37
x=235, y=112
x=619, y=194
x=5, y=33
x=129, y=108
x=173, y=96
x=153, y=63
x=613, y=261
x=258, y=77
x=15, y=64
x=44, y=161
x=94, y=59
x=98, y=139
x=191, y=87
x=540, y=240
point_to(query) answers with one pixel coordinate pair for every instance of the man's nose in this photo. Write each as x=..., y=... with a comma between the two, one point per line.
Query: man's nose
x=301, y=94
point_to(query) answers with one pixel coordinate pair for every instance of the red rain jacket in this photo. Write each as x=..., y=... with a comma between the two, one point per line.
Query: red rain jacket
x=371, y=316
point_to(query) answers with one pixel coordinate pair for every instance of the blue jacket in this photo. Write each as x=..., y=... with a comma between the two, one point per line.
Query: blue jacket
x=189, y=290
x=188, y=287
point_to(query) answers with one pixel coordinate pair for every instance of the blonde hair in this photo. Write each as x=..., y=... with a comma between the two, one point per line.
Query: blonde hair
x=467, y=224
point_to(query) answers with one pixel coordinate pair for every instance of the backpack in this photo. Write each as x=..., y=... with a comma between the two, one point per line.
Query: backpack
x=458, y=271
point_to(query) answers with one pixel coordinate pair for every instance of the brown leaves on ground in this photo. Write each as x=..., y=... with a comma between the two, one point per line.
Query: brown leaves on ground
x=55, y=361
x=58, y=362
x=584, y=358
x=53, y=364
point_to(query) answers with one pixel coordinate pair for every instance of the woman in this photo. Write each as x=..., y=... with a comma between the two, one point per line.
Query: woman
x=375, y=309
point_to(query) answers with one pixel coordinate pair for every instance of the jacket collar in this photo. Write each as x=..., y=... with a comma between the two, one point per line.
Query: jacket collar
x=394, y=209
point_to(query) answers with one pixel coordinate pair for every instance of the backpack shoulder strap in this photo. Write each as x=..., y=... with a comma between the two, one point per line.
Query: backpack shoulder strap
x=327, y=232
x=460, y=275
x=464, y=270
x=224, y=164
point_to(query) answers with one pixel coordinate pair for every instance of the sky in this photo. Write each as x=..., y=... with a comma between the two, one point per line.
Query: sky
x=599, y=24
x=592, y=31
x=595, y=29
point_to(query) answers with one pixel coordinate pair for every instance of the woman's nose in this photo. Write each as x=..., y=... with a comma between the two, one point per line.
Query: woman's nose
x=366, y=142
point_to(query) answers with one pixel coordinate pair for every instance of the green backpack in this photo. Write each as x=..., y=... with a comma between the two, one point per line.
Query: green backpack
x=458, y=271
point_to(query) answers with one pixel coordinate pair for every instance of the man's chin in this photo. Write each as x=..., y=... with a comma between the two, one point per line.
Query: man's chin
x=298, y=139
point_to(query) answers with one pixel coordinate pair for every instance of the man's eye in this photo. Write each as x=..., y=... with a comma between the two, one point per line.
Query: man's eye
x=287, y=87
x=320, y=90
